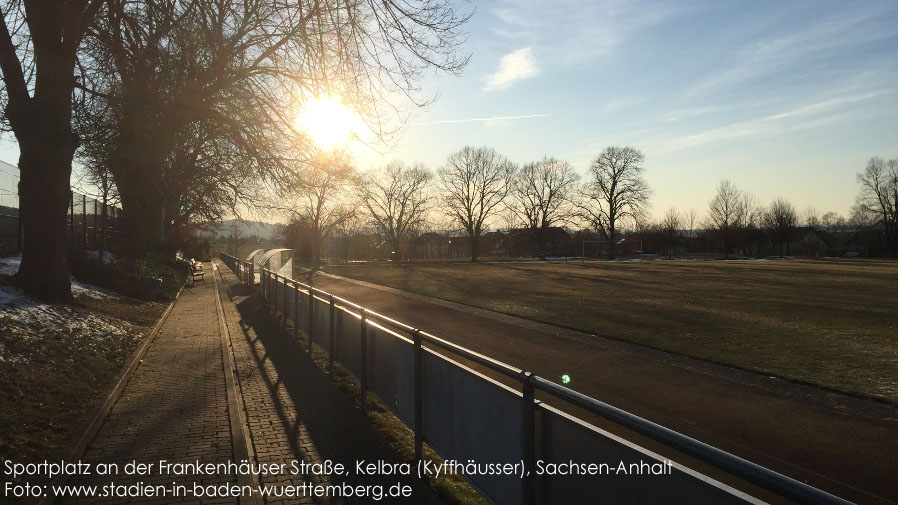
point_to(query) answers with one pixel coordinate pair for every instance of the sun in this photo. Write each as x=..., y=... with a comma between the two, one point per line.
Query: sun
x=328, y=121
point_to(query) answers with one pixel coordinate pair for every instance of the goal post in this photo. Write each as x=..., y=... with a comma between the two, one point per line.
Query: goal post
x=624, y=250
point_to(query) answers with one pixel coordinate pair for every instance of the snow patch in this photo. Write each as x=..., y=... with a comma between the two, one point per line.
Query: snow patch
x=108, y=257
x=25, y=319
x=10, y=265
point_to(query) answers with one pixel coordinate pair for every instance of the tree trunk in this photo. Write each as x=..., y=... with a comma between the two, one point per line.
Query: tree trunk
x=44, y=195
x=43, y=129
x=142, y=216
x=475, y=246
x=137, y=174
x=396, y=245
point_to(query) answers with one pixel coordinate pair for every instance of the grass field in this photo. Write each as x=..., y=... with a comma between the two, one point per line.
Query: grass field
x=830, y=323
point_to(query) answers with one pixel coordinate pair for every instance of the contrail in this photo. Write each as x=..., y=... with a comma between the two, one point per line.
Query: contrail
x=478, y=119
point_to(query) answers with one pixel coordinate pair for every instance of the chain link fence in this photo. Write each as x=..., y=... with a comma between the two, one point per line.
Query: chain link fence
x=89, y=223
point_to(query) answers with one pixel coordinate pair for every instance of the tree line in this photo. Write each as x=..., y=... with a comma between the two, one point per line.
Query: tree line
x=478, y=190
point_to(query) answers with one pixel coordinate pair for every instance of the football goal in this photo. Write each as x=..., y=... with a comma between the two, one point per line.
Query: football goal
x=619, y=250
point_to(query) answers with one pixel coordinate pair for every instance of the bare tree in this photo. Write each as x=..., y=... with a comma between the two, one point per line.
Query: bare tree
x=728, y=213
x=543, y=192
x=238, y=71
x=39, y=42
x=779, y=220
x=395, y=200
x=691, y=219
x=809, y=217
x=879, y=197
x=832, y=221
x=322, y=200
x=615, y=192
x=670, y=229
x=474, y=182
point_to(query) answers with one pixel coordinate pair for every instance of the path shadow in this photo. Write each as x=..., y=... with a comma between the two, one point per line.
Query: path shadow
x=339, y=430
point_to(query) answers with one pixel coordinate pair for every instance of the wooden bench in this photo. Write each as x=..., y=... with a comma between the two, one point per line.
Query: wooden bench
x=196, y=271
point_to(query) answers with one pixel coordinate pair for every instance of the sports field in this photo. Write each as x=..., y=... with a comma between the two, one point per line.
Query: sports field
x=832, y=323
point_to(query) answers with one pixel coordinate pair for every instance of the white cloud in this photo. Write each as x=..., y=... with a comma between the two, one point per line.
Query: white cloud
x=624, y=103
x=513, y=67
x=479, y=119
x=803, y=117
x=786, y=54
x=572, y=32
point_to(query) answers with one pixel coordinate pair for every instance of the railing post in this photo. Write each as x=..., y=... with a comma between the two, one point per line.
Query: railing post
x=311, y=316
x=419, y=396
x=333, y=333
x=296, y=311
x=285, y=304
x=364, y=350
x=528, y=442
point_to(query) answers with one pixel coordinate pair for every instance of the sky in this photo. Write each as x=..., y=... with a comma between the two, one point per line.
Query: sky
x=784, y=98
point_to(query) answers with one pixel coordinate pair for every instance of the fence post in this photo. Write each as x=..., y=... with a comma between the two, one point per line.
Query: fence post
x=19, y=230
x=71, y=215
x=364, y=349
x=84, y=219
x=96, y=244
x=528, y=434
x=419, y=396
x=333, y=333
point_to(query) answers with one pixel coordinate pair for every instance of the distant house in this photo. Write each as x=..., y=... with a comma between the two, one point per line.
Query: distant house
x=866, y=242
x=809, y=241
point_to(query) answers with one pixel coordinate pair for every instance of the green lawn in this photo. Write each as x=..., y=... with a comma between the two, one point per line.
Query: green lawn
x=831, y=323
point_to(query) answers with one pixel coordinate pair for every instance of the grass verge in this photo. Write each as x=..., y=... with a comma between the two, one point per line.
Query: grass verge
x=827, y=323
x=57, y=362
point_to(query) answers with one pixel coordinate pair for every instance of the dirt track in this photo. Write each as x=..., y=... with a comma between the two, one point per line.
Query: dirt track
x=845, y=445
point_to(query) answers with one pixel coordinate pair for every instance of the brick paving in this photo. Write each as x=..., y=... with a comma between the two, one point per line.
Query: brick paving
x=175, y=406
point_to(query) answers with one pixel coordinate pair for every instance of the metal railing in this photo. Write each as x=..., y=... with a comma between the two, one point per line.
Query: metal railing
x=244, y=270
x=271, y=283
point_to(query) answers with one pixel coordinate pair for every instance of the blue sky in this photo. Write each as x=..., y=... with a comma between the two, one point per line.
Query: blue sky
x=785, y=98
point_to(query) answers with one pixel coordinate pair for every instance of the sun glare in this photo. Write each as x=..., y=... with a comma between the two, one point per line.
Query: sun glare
x=328, y=122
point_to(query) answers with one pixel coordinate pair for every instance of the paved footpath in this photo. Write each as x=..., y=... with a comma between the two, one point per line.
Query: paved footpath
x=176, y=407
